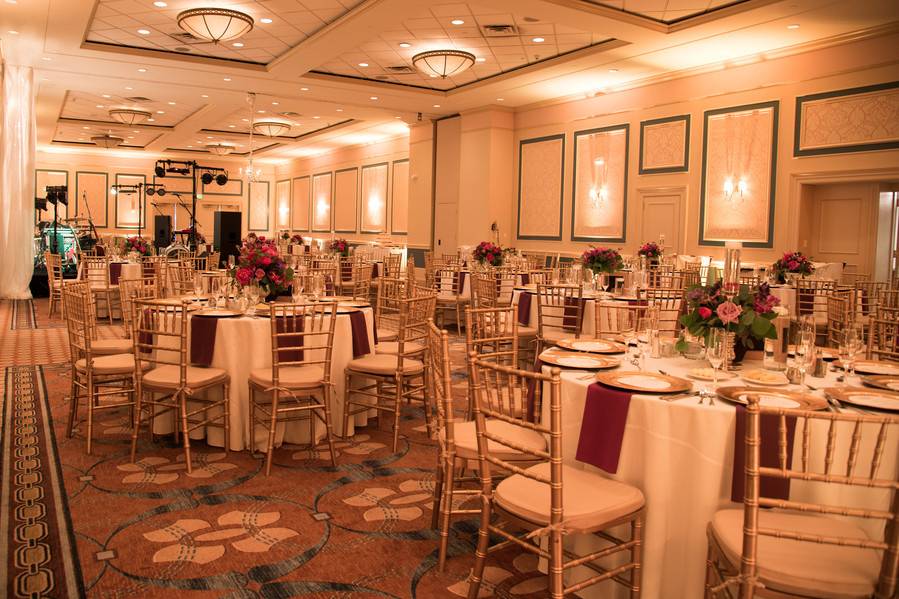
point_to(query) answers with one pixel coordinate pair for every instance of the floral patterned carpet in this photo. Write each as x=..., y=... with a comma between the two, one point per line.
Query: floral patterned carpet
x=98, y=526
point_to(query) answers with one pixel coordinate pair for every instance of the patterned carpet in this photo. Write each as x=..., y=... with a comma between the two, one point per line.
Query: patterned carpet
x=76, y=525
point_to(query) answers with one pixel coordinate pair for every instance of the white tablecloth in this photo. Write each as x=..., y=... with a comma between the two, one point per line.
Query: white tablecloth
x=680, y=454
x=588, y=324
x=244, y=344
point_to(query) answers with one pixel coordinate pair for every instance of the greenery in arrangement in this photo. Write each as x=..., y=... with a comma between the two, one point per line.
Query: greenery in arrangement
x=598, y=260
x=792, y=262
x=488, y=253
x=650, y=249
x=746, y=314
x=339, y=246
x=260, y=263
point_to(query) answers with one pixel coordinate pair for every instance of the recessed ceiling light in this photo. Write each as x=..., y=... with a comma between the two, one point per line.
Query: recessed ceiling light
x=85, y=127
x=275, y=103
x=237, y=44
x=340, y=110
x=232, y=126
x=151, y=120
x=160, y=112
x=793, y=26
x=245, y=120
x=128, y=87
x=100, y=106
x=500, y=99
x=304, y=89
x=613, y=70
x=261, y=111
x=144, y=31
x=537, y=40
x=141, y=70
x=11, y=2
x=457, y=22
x=160, y=4
x=373, y=98
x=363, y=64
x=106, y=96
x=204, y=96
x=316, y=117
x=130, y=137
x=480, y=59
x=405, y=45
x=208, y=137
x=436, y=105
x=47, y=58
x=171, y=103
x=13, y=32
x=227, y=78
x=189, y=146
x=397, y=117
x=265, y=20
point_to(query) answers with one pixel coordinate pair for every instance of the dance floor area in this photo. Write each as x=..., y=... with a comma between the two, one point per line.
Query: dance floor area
x=98, y=526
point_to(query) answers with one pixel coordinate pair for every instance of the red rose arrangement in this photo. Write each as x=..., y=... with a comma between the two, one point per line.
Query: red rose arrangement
x=339, y=246
x=650, y=249
x=746, y=314
x=297, y=239
x=793, y=262
x=488, y=253
x=137, y=244
x=259, y=262
x=598, y=260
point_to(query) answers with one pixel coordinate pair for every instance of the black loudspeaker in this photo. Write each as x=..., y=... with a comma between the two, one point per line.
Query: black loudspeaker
x=162, y=231
x=227, y=233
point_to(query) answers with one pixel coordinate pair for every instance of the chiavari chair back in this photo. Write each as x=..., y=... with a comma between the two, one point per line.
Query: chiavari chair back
x=483, y=290
x=450, y=283
x=540, y=276
x=387, y=309
x=492, y=333
x=95, y=270
x=668, y=304
x=883, y=335
x=181, y=277
x=130, y=290
x=361, y=280
x=689, y=276
x=613, y=318
x=213, y=260
x=839, y=317
x=392, y=265
x=539, y=500
x=796, y=548
x=888, y=298
x=55, y=280
x=560, y=313
x=811, y=299
x=866, y=296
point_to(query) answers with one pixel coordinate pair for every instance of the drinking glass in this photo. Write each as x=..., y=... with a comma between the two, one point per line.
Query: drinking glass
x=644, y=338
x=198, y=286
x=216, y=288
x=715, y=349
x=804, y=354
x=845, y=354
x=855, y=339
x=297, y=289
x=318, y=285
x=231, y=261
x=253, y=293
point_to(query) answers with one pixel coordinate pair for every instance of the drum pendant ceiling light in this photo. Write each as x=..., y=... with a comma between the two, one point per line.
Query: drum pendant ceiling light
x=107, y=141
x=220, y=149
x=271, y=128
x=129, y=116
x=215, y=24
x=443, y=63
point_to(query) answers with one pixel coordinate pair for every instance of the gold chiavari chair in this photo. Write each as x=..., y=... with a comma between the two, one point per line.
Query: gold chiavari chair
x=94, y=378
x=888, y=298
x=790, y=548
x=130, y=290
x=450, y=285
x=387, y=309
x=181, y=277
x=213, y=260
x=883, y=335
x=393, y=264
x=483, y=290
x=344, y=277
x=548, y=500
x=488, y=293
x=95, y=270
x=56, y=280
x=752, y=282
x=298, y=384
x=669, y=305
x=361, y=280
x=612, y=318
x=866, y=296
x=396, y=376
x=811, y=300
x=839, y=316
x=450, y=260
x=172, y=385
x=560, y=313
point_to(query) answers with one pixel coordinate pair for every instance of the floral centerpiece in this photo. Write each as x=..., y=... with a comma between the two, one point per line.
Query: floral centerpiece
x=285, y=236
x=137, y=244
x=746, y=314
x=487, y=253
x=297, y=239
x=650, y=250
x=792, y=263
x=599, y=260
x=260, y=263
x=339, y=246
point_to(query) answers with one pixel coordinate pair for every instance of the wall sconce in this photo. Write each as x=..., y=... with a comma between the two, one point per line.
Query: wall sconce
x=599, y=193
x=742, y=188
x=322, y=207
x=599, y=196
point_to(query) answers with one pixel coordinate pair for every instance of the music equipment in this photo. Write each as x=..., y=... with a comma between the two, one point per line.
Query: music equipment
x=162, y=230
x=226, y=238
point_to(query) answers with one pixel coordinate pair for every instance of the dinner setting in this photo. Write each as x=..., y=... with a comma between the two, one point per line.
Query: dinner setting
x=419, y=299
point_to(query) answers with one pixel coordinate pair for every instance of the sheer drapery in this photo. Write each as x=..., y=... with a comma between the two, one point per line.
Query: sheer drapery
x=17, y=141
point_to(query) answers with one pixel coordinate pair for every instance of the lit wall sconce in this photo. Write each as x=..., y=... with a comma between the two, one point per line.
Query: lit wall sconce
x=599, y=196
x=599, y=193
x=322, y=207
x=730, y=190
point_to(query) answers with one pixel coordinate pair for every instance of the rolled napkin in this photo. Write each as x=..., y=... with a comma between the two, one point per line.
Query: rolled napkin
x=202, y=339
x=115, y=272
x=361, y=346
x=571, y=319
x=775, y=488
x=290, y=343
x=524, y=308
x=602, y=427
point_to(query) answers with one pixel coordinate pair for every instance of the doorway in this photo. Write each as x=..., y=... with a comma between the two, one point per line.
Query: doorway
x=662, y=216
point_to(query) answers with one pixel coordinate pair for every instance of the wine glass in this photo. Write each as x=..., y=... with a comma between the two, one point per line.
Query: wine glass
x=318, y=284
x=804, y=354
x=644, y=338
x=845, y=354
x=198, y=286
x=253, y=294
x=231, y=261
x=855, y=339
x=627, y=328
x=297, y=288
x=715, y=349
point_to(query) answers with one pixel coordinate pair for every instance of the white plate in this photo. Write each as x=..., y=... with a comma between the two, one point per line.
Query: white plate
x=875, y=400
x=781, y=379
x=776, y=401
x=706, y=374
x=865, y=367
x=593, y=345
x=646, y=382
x=218, y=313
x=573, y=362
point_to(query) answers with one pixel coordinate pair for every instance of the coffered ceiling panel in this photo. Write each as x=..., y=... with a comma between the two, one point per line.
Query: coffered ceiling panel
x=500, y=41
x=667, y=11
x=78, y=133
x=96, y=107
x=300, y=123
x=141, y=24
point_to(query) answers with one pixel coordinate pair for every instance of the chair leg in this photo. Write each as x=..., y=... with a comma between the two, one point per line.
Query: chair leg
x=637, y=556
x=135, y=424
x=92, y=395
x=347, y=394
x=480, y=555
x=108, y=306
x=227, y=409
x=446, y=509
x=429, y=416
x=556, y=571
x=273, y=423
x=182, y=401
x=73, y=407
x=252, y=397
x=329, y=428
x=438, y=490
x=398, y=408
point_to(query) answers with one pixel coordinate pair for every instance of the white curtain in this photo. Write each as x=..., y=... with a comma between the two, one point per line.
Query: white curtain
x=17, y=142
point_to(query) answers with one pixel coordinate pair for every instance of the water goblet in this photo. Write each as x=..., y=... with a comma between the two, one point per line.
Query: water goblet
x=715, y=350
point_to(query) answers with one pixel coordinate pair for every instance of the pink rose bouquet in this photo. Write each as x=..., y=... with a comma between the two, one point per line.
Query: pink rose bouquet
x=259, y=262
x=339, y=246
x=747, y=314
x=137, y=244
x=792, y=262
x=297, y=239
x=650, y=250
x=488, y=253
x=598, y=260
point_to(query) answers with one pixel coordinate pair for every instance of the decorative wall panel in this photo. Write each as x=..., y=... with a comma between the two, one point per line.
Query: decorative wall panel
x=92, y=197
x=130, y=206
x=374, y=198
x=299, y=212
x=399, y=198
x=234, y=187
x=860, y=119
x=258, y=206
x=182, y=185
x=599, y=192
x=739, y=152
x=42, y=178
x=321, y=202
x=541, y=162
x=282, y=203
x=665, y=145
x=346, y=183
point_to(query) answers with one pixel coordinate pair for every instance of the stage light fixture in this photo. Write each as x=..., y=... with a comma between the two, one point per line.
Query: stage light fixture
x=206, y=178
x=151, y=191
x=221, y=179
x=159, y=170
x=161, y=191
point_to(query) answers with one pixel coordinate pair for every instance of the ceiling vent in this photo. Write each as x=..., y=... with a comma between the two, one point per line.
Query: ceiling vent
x=187, y=38
x=138, y=99
x=182, y=49
x=290, y=114
x=400, y=70
x=499, y=30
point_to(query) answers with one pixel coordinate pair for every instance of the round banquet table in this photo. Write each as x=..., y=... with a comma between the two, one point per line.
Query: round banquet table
x=243, y=344
x=680, y=454
x=588, y=323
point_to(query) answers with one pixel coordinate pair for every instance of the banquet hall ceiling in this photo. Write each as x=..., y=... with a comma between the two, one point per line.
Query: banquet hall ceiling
x=304, y=60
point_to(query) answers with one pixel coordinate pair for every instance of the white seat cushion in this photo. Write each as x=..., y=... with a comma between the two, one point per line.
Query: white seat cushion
x=466, y=441
x=113, y=364
x=553, y=335
x=291, y=377
x=384, y=364
x=386, y=335
x=392, y=347
x=808, y=569
x=589, y=500
x=449, y=297
x=105, y=347
x=168, y=377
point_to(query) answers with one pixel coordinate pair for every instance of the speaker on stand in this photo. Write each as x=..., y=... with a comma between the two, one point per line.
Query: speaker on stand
x=226, y=238
x=162, y=231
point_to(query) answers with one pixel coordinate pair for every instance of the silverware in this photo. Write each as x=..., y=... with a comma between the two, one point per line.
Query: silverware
x=678, y=396
x=832, y=402
x=662, y=372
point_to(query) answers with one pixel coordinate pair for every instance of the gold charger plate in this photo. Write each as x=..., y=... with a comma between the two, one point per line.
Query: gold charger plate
x=865, y=398
x=768, y=378
x=882, y=381
x=592, y=346
x=773, y=398
x=355, y=304
x=217, y=313
x=644, y=382
x=578, y=360
x=708, y=374
x=872, y=367
x=336, y=298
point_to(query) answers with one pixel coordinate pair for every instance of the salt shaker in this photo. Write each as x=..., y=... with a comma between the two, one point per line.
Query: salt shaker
x=820, y=369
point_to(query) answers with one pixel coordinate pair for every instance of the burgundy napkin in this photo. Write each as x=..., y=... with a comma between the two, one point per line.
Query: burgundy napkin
x=361, y=346
x=602, y=427
x=374, y=270
x=202, y=339
x=290, y=325
x=145, y=338
x=524, y=308
x=148, y=269
x=531, y=416
x=571, y=320
x=461, y=282
x=101, y=251
x=525, y=279
x=115, y=271
x=775, y=488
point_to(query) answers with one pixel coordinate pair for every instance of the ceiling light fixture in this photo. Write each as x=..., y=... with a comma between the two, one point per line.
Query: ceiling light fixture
x=141, y=70
x=237, y=44
x=443, y=63
x=405, y=45
x=373, y=98
x=129, y=116
x=107, y=141
x=227, y=79
x=266, y=20
x=457, y=22
x=538, y=40
x=304, y=89
x=220, y=149
x=363, y=64
x=160, y=4
x=215, y=24
x=144, y=31
x=271, y=128
x=480, y=59
x=793, y=26
x=204, y=96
